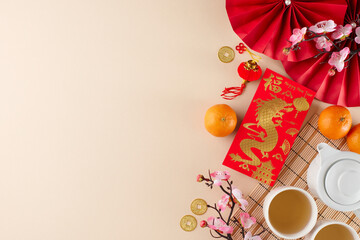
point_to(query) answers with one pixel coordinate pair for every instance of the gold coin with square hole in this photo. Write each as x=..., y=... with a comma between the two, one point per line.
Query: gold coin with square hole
x=226, y=54
x=188, y=223
x=198, y=206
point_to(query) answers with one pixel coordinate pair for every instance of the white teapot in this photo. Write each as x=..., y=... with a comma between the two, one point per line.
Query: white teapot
x=334, y=177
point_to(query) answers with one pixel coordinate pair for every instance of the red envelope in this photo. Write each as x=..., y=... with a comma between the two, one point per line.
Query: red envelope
x=269, y=128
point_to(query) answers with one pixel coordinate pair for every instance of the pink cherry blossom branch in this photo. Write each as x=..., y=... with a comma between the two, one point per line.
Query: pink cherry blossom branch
x=231, y=198
x=322, y=35
x=220, y=235
x=339, y=56
x=297, y=45
x=219, y=228
x=217, y=210
x=352, y=54
x=321, y=52
x=237, y=223
x=210, y=183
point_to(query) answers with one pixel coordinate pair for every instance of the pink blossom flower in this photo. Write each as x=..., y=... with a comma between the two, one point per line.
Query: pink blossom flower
x=249, y=236
x=200, y=178
x=238, y=198
x=219, y=176
x=297, y=36
x=342, y=32
x=357, y=38
x=219, y=225
x=322, y=42
x=337, y=59
x=203, y=224
x=223, y=202
x=246, y=220
x=323, y=27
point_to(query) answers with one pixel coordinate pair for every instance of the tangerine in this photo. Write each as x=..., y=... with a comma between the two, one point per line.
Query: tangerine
x=353, y=139
x=220, y=120
x=335, y=122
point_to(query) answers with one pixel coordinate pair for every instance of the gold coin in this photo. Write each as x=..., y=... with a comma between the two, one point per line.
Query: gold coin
x=226, y=54
x=188, y=223
x=198, y=206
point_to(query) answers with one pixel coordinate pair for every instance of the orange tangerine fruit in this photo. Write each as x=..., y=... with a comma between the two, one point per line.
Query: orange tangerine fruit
x=335, y=122
x=220, y=120
x=353, y=139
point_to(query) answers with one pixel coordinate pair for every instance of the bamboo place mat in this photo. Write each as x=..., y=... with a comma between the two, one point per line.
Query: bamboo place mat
x=294, y=174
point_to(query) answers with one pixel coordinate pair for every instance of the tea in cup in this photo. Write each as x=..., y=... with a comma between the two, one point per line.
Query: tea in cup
x=290, y=212
x=332, y=230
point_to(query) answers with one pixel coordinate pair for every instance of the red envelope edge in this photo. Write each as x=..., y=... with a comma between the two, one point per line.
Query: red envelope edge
x=269, y=128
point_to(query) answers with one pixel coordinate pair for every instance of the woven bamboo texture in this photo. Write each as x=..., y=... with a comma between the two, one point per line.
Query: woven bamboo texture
x=294, y=174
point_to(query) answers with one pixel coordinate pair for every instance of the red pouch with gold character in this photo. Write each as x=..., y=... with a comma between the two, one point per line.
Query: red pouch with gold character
x=269, y=127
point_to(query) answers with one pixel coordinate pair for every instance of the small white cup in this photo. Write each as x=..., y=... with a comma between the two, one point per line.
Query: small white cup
x=306, y=228
x=324, y=223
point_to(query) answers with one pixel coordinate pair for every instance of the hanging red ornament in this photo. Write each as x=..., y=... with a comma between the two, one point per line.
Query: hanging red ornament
x=240, y=48
x=249, y=71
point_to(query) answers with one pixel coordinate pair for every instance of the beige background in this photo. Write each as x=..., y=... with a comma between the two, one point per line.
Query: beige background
x=102, y=106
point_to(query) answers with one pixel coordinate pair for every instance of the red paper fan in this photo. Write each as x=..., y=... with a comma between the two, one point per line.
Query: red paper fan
x=266, y=25
x=344, y=87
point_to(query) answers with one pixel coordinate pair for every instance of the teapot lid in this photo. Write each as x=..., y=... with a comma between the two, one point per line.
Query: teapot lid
x=342, y=182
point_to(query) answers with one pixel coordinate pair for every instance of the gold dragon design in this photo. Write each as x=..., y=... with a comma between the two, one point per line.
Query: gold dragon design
x=266, y=113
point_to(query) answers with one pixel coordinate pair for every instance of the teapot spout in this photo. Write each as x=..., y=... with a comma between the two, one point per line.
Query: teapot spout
x=325, y=151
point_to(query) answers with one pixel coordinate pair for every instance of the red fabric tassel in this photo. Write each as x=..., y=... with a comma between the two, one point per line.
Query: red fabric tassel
x=232, y=92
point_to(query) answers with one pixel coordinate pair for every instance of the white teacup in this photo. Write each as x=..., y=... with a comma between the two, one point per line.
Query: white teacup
x=290, y=212
x=330, y=230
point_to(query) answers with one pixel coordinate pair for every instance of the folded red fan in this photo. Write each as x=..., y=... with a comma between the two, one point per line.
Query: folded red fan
x=266, y=25
x=343, y=88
